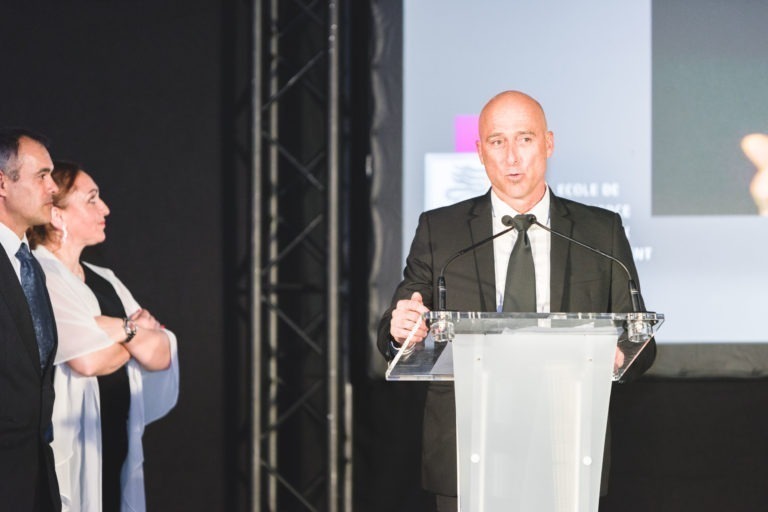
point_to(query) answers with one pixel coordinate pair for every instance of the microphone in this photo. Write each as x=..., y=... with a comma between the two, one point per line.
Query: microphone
x=441, y=288
x=634, y=291
x=639, y=327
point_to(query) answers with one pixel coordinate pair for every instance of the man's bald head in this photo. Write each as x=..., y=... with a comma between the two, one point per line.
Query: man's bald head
x=514, y=146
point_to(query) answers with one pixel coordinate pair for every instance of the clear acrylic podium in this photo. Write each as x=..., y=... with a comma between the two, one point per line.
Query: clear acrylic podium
x=532, y=394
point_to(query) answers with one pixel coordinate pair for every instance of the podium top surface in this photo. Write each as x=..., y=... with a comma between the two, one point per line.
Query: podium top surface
x=432, y=359
x=464, y=319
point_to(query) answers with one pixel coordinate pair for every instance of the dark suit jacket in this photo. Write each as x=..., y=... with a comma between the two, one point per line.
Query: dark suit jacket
x=581, y=281
x=27, y=473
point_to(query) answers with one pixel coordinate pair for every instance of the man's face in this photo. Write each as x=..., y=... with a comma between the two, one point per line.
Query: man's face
x=28, y=199
x=514, y=147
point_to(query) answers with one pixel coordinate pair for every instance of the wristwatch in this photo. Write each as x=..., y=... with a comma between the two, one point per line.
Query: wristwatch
x=130, y=328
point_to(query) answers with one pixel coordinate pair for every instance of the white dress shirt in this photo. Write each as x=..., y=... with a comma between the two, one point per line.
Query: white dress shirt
x=11, y=243
x=541, y=241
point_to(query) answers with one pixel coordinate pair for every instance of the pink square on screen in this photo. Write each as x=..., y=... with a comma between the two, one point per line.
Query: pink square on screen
x=465, y=133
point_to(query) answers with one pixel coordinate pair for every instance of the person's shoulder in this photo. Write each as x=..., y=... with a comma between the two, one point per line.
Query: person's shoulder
x=463, y=208
x=581, y=210
x=50, y=264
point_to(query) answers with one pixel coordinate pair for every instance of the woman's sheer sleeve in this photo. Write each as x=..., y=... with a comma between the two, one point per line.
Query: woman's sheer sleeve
x=75, y=312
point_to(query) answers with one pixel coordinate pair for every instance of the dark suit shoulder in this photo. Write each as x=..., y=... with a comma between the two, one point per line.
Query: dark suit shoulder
x=583, y=211
x=585, y=215
x=469, y=207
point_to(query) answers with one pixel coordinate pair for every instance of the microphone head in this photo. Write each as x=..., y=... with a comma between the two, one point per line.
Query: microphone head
x=524, y=221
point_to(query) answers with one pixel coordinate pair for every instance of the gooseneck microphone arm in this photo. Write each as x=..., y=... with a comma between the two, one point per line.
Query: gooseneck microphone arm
x=441, y=288
x=634, y=291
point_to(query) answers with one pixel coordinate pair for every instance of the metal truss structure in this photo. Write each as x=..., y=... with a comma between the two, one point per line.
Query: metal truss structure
x=290, y=436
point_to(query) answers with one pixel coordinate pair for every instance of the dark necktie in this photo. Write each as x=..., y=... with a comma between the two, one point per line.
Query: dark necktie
x=33, y=284
x=520, y=290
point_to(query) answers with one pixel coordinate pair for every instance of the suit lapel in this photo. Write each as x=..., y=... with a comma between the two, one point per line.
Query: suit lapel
x=14, y=298
x=481, y=227
x=559, y=251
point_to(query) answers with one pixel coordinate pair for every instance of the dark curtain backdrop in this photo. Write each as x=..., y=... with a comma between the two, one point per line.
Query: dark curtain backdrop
x=130, y=89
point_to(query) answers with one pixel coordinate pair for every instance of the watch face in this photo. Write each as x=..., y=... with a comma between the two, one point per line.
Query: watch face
x=129, y=326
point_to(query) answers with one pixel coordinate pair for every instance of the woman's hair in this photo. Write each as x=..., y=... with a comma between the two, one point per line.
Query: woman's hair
x=63, y=174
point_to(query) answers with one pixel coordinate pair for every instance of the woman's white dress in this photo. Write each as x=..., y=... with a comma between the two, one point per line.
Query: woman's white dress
x=76, y=415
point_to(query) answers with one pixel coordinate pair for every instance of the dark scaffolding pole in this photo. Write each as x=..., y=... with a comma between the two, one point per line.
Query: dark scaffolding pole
x=292, y=415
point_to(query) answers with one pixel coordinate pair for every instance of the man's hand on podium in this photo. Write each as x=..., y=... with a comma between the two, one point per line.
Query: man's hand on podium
x=405, y=317
x=618, y=360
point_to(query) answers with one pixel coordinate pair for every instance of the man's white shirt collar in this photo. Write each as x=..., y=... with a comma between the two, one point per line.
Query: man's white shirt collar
x=500, y=209
x=11, y=243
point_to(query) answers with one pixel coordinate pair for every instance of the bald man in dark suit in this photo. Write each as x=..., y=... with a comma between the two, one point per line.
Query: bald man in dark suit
x=514, y=147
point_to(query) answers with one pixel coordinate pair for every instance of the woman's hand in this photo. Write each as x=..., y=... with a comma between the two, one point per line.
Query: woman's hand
x=144, y=319
x=150, y=347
